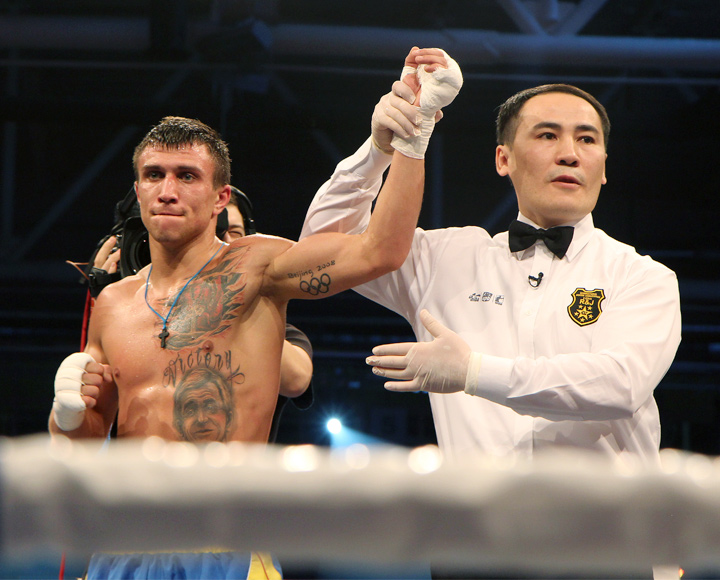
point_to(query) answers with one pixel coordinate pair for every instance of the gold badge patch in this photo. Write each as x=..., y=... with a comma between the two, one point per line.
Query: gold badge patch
x=585, y=307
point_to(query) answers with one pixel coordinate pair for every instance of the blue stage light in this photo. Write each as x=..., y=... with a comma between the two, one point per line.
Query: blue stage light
x=334, y=426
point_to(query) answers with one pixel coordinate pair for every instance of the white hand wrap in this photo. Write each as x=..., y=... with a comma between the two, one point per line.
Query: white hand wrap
x=68, y=405
x=439, y=89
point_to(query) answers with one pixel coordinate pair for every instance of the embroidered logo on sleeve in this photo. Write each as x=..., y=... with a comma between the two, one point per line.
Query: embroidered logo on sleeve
x=585, y=306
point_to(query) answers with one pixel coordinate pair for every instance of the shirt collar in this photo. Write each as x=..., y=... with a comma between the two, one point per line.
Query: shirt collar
x=581, y=236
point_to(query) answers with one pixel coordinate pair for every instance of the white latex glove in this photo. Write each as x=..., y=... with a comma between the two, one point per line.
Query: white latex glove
x=439, y=366
x=394, y=113
x=437, y=90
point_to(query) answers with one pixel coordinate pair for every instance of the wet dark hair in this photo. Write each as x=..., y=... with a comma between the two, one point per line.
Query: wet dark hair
x=509, y=115
x=174, y=132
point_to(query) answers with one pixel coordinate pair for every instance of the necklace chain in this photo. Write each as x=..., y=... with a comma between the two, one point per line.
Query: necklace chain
x=165, y=333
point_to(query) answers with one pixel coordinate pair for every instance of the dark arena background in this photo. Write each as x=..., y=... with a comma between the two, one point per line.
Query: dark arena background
x=291, y=86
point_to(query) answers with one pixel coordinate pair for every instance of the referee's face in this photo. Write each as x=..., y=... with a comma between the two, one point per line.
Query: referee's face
x=556, y=161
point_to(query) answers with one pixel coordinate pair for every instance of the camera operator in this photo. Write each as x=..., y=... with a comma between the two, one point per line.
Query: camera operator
x=107, y=259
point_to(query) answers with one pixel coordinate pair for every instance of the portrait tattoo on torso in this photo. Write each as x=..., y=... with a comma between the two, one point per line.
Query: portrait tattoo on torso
x=204, y=407
x=203, y=381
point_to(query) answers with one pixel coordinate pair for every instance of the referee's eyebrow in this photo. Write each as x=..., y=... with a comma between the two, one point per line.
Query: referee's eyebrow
x=557, y=127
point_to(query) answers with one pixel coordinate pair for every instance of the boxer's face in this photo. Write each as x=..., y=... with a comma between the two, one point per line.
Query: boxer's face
x=175, y=190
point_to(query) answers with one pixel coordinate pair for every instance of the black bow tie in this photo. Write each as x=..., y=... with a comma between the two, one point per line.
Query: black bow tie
x=557, y=239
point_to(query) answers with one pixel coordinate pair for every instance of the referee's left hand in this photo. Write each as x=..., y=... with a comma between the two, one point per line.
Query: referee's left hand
x=439, y=366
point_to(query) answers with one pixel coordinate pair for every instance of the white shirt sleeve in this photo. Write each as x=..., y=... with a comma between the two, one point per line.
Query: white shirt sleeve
x=344, y=202
x=632, y=352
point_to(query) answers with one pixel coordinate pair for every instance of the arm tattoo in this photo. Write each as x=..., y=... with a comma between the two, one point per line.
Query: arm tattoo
x=315, y=285
x=319, y=284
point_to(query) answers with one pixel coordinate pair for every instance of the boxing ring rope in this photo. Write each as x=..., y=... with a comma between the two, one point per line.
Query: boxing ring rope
x=563, y=511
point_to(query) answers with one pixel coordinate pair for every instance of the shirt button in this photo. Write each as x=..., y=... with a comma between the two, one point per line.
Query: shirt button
x=528, y=313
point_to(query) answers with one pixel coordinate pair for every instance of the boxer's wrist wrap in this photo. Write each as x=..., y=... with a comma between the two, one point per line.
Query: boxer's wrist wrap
x=68, y=405
x=416, y=145
x=439, y=89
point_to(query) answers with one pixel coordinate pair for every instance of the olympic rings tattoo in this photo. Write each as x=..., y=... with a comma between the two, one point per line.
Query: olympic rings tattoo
x=316, y=285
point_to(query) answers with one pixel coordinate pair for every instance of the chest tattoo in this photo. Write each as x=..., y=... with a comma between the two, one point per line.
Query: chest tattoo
x=210, y=303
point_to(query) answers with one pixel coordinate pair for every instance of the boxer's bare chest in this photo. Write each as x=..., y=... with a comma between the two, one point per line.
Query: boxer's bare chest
x=180, y=360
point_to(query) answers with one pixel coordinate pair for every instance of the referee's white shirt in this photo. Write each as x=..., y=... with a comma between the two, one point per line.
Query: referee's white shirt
x=571, y=361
